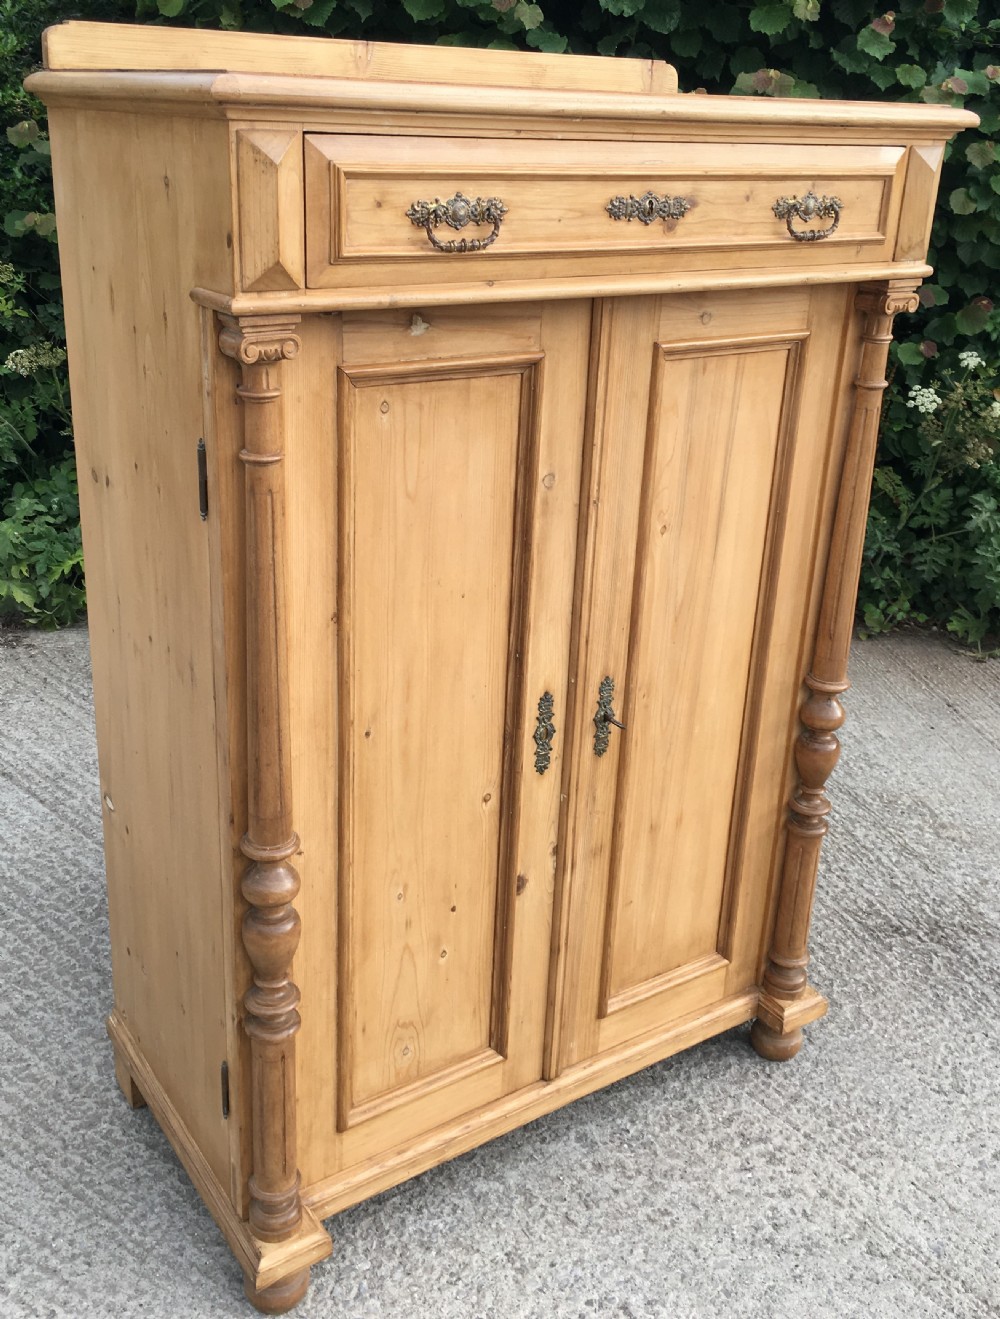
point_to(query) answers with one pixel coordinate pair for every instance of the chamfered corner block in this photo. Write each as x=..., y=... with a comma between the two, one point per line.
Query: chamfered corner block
x=480, y=447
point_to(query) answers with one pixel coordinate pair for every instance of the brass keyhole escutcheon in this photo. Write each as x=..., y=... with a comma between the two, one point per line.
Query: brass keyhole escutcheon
x=605, y=718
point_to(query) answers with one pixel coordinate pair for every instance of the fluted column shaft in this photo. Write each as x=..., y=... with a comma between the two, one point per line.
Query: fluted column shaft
x=270, y=883
x=817, y=747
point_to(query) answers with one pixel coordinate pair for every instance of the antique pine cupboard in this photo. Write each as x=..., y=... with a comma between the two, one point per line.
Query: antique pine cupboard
x=474, y=451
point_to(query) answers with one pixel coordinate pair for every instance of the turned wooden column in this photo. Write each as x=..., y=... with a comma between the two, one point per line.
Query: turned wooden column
x=787, y=1002
x=260, y=344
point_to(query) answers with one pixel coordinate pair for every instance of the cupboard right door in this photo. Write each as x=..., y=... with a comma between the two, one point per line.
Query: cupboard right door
x=714, y=421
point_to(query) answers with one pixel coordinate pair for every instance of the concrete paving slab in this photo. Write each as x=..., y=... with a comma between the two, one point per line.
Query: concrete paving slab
x=861, y=1179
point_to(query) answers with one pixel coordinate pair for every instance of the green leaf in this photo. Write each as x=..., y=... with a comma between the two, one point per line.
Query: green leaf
x=170, y=8
x=975, y=317
x=745, y=59
x=623, y=8
x=874, y=43
x=551, y=42
x=687, y=44
x=529, y=16
x=960, y=11
x=961, y=203
x=420, y=10
x=995, y=182
x=909, y=354
x=851, y=60
x=770, y=19
x=23, y=134
x=661, y=15
x=981, y=154
x=882, y=75
x=910, y=75
x=318, y=13
x=806, y=10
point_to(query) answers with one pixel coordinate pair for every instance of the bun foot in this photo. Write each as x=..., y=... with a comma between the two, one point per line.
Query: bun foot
x=279, y=1298
x=772, y=1046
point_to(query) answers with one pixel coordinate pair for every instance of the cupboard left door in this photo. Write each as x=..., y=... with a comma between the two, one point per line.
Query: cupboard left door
x=458, y=453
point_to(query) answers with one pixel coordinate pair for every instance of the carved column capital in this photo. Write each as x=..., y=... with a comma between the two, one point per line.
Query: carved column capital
x=253, y=339
x=892, y=298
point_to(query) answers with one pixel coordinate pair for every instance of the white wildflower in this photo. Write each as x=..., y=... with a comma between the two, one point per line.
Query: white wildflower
x=923, y=399
x=995, y=408
x=26, y=361
x=970, y=358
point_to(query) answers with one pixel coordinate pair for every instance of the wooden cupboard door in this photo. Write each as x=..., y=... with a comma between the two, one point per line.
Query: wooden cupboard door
x=712, y=421
x=460, y=441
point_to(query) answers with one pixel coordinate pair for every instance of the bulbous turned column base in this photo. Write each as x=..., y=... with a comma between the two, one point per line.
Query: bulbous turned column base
x=279, y=1298
x=776, y=1048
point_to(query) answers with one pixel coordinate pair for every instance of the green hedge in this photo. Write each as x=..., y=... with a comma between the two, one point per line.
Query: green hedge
x=934, y=534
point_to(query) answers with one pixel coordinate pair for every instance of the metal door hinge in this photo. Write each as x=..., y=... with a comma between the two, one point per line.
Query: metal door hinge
x=202, y=480
x=224, y=1080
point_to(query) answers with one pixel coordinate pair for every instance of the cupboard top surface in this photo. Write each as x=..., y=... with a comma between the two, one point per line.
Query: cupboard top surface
x=242, y=74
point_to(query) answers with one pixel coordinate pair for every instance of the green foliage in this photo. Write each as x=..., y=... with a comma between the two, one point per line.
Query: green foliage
x=933, y=546
x=936, y=51
x=41, y=576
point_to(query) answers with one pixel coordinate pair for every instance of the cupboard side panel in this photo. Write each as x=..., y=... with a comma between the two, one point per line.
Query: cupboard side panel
x=144, y=212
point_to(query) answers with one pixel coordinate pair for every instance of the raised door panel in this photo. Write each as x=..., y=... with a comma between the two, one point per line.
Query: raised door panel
x=433, y=506
x=697, y=414
x=459, y=486
x=715, y=425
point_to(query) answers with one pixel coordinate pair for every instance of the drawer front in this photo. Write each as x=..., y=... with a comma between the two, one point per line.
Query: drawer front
x=468, y=205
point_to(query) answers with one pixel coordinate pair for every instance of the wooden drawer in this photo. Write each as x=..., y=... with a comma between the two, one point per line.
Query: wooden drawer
x=364, y=195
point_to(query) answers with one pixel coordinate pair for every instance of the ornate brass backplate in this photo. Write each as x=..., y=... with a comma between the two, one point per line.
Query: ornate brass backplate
x=456, y=213
x=545, y=731
x=808, y=207
x=605, y=715
x=649, y=207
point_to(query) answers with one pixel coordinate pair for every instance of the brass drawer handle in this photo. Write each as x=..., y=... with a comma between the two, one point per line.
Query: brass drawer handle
x=809, y=207
x=456, y=213
x=605, y=716
x=649, y=207
x=545, y=731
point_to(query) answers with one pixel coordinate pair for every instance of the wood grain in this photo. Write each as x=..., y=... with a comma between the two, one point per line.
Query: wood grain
x=76, y=45
x=485, y=108
x=817, y=747
x=540, y=352
x=442, y=487
x=158, y=192
x=546, y=281
x=359, y=189
x=271, y=925
x=268, y=168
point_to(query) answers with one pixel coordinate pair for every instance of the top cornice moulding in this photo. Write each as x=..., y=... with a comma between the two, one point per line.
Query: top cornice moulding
x=152, y=66
x=229, y=94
